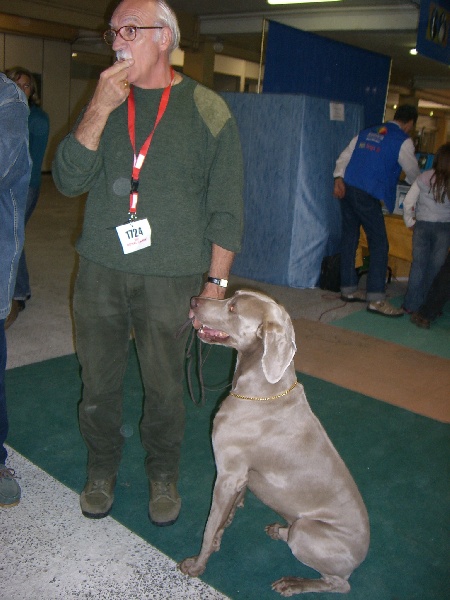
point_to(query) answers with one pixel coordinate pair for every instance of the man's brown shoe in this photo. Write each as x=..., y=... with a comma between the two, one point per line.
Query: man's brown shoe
x=165, y=503
x=97, y=498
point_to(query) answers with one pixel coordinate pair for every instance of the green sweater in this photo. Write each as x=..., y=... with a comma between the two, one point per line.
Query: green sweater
x=190, y=186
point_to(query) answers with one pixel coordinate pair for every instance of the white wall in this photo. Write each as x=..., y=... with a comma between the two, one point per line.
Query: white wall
x=51, y=60
x=235, y=66
x=24, y=51
x=56, y=91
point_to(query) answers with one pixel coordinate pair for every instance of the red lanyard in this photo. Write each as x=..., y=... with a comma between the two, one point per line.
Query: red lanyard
x=139, y=160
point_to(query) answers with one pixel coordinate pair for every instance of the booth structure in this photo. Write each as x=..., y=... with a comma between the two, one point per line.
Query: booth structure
x=290, y=145
x=400, y=246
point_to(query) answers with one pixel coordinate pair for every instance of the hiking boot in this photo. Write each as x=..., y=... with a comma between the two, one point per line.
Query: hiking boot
x=356, y=296
x=9, y=488
x=384, y=308
x=165, y=503
x=97, y=498
x=420, y=321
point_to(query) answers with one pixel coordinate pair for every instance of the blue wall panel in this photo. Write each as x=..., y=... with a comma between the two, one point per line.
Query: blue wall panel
x=306, y=63
x=290, y=146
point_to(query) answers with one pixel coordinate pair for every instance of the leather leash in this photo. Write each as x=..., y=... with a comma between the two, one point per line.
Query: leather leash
x=193, y=341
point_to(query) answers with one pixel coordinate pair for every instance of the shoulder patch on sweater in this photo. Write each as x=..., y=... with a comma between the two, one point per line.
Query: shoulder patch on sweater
x=213, y=109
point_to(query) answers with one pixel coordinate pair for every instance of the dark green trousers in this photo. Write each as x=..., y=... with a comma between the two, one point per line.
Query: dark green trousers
x=108, y=305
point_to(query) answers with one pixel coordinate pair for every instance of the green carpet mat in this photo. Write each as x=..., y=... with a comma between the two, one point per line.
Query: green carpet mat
x=435, y=340
x=399, y=460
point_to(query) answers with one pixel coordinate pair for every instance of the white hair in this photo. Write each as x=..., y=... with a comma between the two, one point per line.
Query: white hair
x=165, y=16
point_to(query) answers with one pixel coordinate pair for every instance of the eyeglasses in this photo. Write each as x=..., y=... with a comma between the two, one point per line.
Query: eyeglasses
x=127, y=33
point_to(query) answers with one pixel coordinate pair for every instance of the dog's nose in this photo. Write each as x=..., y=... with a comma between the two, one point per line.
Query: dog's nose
x=194, y=302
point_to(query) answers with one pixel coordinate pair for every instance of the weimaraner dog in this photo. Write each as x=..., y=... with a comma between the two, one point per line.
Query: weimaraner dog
x=266, y=438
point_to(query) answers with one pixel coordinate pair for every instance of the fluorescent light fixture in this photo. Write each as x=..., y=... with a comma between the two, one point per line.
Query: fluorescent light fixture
x=299, y=1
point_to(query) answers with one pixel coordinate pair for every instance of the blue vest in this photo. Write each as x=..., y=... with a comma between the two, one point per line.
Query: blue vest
x=374, y=166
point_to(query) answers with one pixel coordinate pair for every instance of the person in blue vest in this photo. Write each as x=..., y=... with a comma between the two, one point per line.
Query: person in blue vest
x=365, y=179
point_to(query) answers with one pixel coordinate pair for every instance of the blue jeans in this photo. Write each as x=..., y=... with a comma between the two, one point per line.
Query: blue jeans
x=22, y=290
x=439, y=293
x=3, y=414
x=361, y=209
x=431, y=242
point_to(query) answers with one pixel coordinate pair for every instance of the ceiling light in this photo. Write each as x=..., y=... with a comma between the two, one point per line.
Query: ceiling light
x=299, y=1
x=413, y=51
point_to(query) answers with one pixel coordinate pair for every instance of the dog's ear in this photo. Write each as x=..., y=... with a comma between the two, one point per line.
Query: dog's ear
x=279, y=348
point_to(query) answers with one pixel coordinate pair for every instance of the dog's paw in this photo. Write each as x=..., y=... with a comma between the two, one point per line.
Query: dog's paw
x=190, y=566
x=287, y=586
x=274, y=531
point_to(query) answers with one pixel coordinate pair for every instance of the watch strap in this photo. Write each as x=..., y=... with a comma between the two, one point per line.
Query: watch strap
x=222, y=282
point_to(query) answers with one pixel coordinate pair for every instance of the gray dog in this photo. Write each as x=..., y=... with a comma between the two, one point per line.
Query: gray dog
x=266, y=438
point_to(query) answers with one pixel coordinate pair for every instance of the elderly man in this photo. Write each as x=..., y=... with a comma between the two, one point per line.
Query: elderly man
x=146, y=246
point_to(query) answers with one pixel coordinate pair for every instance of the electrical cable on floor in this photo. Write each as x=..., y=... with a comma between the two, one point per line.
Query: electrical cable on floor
x=331, y=297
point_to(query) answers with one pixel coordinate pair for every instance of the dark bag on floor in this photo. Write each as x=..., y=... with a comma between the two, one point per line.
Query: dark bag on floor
x=330, y=273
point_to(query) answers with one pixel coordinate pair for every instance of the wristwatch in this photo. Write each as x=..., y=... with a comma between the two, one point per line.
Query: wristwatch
x=222, y=282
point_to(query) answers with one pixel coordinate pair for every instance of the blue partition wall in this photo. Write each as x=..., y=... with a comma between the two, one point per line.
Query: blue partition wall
x=301, y=62
x=290, y=146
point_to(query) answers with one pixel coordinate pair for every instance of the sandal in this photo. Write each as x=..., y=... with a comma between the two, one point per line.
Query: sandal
x=384, y=308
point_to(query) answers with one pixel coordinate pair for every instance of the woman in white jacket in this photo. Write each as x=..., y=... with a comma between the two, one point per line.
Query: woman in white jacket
x=426, y=210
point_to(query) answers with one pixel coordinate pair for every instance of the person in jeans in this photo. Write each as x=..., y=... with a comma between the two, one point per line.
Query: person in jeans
x=15, y=169
x=38, y=130
x=146, y=245
x=437, y=296
x=365, y=176
x=426, y=210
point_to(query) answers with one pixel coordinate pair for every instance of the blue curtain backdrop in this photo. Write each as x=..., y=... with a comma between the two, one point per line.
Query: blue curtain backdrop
x=290, y=145
x=305, y=63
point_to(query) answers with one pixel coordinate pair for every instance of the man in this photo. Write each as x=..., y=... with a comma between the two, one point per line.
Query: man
x=38, y=131
x=365, y=176
x=143, y=252
x=15, y=169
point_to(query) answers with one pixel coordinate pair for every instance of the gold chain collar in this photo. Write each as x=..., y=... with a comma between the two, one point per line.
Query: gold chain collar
x=265, y=399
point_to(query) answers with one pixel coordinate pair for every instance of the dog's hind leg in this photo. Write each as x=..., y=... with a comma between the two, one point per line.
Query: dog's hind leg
x=320, y=546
